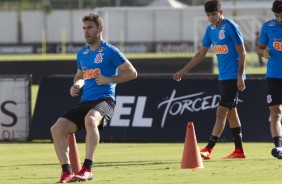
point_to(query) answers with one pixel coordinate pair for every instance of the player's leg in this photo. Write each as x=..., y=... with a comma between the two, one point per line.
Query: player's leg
x=274, y=100
x=275, y=123
x=220, y=122
x=226, y=89
x=235, y=126
x=59, y=133
x=275, y=129
x=94, y=120
x=219, y=125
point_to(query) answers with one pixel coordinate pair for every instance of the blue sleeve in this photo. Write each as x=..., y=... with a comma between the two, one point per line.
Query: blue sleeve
x=118, y=57
x=263, y=35
x=236, y=34
x=206, y=39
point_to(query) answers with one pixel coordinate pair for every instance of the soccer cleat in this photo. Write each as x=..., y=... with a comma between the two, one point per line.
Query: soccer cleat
x=206, y=153
x=238, y=153
x=83, y=175
x=277, y=152
x=66, y=177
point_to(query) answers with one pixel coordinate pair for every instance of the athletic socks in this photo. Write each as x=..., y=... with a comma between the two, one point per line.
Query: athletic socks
x=277, y=141
x=67, y=168
x=88, y=164
x=212, y=142
x=237, y=137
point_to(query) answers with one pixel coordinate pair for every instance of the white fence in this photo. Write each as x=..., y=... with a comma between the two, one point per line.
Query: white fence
x=125, y=25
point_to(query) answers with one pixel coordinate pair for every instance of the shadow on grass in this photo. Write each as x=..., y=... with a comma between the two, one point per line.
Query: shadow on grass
x=105, y=164
x=132, y=163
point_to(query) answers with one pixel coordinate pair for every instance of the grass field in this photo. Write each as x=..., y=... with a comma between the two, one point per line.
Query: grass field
x=151, y=163
x=56, y=57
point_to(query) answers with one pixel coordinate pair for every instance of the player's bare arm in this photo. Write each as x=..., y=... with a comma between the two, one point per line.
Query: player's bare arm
x=126, y=72
x=263, y=51
x=241, y=68
x=78, y=83
x=191, y=64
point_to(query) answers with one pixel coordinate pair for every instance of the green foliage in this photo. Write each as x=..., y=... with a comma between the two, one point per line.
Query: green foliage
x=46, y=7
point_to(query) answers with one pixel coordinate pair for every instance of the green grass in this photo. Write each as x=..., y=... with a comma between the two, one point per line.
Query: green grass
x=56, y=57
x=250, y=58
x=34, y=93
x=36, y=57
x=152, y=163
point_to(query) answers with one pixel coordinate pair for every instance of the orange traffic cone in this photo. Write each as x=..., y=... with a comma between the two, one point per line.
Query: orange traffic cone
x=73, y=153
x=191, y=157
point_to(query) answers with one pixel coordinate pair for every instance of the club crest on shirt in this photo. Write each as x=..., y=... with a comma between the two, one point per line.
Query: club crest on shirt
x=221, y=34
x=98, y=58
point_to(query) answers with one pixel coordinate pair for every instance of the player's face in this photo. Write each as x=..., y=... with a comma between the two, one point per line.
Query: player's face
x=215, y=17
x=278, y=17
x=91, y=32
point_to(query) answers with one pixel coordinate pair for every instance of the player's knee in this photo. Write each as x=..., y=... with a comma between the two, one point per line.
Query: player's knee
x=55, y=129
x=91, y=121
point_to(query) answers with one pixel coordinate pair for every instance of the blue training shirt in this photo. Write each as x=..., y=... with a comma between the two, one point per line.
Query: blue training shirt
x=271, y=35
x=105, y=60
x=224, y=38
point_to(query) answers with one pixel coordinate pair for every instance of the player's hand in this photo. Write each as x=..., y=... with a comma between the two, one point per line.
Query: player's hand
x=74, y=90
x=265, y=53
x=102, y=80
x=241, y=84
x=178, y=75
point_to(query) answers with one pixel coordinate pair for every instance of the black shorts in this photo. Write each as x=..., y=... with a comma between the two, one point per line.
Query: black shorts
x=228, y=93
x=274, y=91
x=77, y=114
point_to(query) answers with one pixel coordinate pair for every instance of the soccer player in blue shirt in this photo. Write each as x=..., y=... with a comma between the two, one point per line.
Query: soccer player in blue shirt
x=227, y=41
x=100, y=67
x=270, y=47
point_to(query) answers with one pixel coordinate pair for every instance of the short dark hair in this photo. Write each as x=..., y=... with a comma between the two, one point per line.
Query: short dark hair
x=277, y=6
x=93, y=18
x=212, y=6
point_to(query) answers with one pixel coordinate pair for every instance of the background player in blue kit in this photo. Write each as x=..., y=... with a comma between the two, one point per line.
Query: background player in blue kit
x=100, y=67
x=227, y=40
x=270, y=47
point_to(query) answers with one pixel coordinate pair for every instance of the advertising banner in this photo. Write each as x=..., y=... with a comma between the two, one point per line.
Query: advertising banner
x=158, y=110
x=14, y=107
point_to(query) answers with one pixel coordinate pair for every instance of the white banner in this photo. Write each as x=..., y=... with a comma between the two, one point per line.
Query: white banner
x=14, y=107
